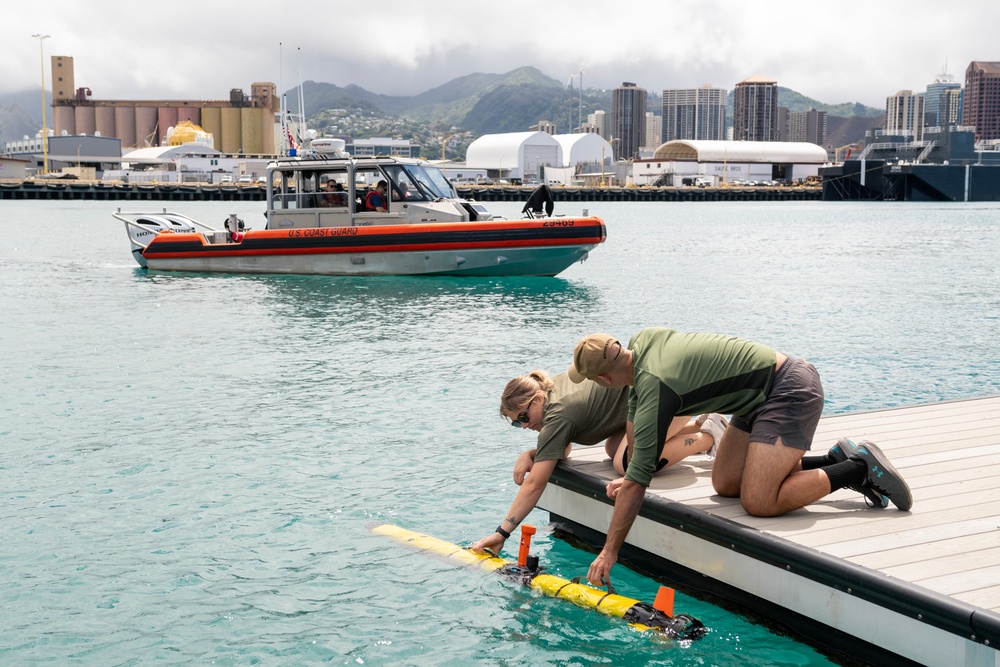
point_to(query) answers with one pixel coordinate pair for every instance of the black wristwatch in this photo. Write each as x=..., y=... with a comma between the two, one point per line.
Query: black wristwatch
x=503, y=532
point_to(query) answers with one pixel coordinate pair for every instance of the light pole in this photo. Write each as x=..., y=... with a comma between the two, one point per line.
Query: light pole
x=580, y=116
x=602, y=165
x=570, y=117
x=45, y=130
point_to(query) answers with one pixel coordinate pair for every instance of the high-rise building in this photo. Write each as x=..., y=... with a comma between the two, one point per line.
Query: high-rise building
x=943, y=101
x=781, y=130
x=950, y=107
x=628, y=119
x=652, y=139
x=904, y=115
x=599, y=121
x=981, y=101
x=694, y=113
x=546, y=126
x=807, y=126
x=755, y=110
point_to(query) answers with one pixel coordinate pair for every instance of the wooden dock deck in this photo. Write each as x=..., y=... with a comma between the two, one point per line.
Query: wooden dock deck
x=889, y=587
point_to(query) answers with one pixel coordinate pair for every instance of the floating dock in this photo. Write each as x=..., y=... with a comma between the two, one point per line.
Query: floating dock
x=879, y=585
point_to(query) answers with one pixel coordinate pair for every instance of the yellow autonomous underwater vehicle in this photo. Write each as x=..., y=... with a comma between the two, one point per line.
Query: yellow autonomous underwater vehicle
x=638, y=614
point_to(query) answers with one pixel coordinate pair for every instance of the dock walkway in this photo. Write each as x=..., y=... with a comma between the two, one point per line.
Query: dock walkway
x=889, y=587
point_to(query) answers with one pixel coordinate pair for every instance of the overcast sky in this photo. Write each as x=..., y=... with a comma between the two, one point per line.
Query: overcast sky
x=844, y=51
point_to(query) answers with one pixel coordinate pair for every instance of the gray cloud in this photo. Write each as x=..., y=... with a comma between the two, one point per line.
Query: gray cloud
x=859, y=51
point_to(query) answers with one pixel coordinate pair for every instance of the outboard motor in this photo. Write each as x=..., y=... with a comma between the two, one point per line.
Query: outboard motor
x=144, y=229
x=148, y=226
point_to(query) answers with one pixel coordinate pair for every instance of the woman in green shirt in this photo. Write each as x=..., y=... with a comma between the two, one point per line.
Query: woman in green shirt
x=562, y=413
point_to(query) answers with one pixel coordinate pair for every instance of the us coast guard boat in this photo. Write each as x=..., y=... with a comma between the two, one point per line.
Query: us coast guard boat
x=318, y=223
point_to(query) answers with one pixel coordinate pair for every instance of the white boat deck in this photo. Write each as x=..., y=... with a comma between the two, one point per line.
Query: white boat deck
x=947, y=547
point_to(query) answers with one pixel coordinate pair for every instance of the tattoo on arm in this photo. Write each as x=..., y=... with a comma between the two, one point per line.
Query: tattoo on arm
x=688, y=442
x=513, y=520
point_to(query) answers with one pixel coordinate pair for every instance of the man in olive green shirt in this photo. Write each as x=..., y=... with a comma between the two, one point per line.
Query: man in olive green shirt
x=775, y=400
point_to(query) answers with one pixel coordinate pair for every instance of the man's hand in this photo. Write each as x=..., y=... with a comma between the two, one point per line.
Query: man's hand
x=628, y=497
x=523, y=465
x=612, y=488
x=600, y=570
x=492, y=542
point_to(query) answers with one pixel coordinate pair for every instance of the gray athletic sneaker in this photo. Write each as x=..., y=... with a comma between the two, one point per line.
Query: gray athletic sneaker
x=715, y=425
x=882, y=476
x=843, y=450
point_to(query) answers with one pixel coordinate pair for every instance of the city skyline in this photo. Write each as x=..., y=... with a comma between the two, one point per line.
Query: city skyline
x=200, y=51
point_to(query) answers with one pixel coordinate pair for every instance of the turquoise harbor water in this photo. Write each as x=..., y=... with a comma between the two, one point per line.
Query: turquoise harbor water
x=190, y=463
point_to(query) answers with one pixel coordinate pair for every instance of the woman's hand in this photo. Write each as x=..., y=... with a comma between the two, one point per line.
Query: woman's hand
x=523, y=466
x=492, y=542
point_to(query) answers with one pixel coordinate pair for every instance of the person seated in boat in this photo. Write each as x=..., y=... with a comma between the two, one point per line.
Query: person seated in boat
x=375, y=200
x=401, y=192
x=333, y=195
x=563, y=412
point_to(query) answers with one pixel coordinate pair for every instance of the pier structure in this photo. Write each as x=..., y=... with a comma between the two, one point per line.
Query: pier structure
x=105, y=190
x=880, y=585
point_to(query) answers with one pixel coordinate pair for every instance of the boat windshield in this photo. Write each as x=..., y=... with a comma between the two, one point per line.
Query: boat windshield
x=431, y=181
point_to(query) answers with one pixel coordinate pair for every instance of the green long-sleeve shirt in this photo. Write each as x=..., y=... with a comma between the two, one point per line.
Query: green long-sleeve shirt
x=679, y=373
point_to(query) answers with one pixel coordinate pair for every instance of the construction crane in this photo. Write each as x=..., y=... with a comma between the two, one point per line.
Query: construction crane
x=836, y=152
x=444, y=142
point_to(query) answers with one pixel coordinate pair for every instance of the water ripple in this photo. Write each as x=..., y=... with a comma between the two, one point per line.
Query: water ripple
x=191, y=463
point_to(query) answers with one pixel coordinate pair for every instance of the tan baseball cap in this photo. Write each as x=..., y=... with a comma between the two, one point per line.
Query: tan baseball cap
x=592, y=357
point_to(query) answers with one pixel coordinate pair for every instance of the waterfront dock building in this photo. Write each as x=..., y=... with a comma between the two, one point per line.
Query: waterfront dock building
x=241, y=124
x=682, y=161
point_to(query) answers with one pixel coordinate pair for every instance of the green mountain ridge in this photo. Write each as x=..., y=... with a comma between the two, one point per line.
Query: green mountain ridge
x=512, y=102
x=480, y=103
x=447, y=104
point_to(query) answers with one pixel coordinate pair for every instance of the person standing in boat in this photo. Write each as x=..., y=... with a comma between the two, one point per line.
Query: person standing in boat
x=776, y=401
x=375, y=200
x=562, y=413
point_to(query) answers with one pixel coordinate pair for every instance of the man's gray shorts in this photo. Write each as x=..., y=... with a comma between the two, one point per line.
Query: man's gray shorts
x=792, y=408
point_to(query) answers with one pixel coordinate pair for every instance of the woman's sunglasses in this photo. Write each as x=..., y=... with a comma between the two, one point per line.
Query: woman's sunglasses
x=521, y=420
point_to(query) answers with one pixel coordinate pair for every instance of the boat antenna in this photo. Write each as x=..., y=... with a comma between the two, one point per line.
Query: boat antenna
x=282, y=151
x=302, y=99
